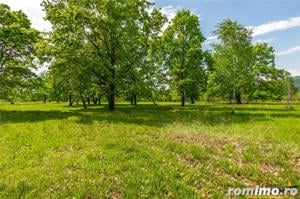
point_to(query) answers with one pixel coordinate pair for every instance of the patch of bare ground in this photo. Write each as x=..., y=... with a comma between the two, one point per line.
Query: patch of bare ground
x=264, y=157
x=210, y=165
x=297, y=164
x=114, y=193
x=205, y=140
x=187, y=160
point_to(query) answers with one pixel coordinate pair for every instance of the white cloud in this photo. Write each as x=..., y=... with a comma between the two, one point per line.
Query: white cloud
x=294, y=72
x=275, y=26
x=268, y=40
x=289, y=51
x=211, y=39
x=32, y=9
x=169, y=11
x=269, y=27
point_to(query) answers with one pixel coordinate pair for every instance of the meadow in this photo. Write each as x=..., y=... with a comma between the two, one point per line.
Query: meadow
x=55, y=151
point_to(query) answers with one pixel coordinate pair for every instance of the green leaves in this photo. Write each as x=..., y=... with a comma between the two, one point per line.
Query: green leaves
x=248, y=68
x=183, y=55
x=120, y=48
x=108, y=39
x=17, y=51
x=232, y=75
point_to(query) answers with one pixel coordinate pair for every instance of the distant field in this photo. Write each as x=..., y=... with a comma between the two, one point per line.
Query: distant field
x=52, y=150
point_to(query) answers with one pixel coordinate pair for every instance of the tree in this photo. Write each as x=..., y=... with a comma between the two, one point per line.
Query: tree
x=108, y=29
x=17, y=50
x=232, y=75
x=183, y=54
x=44, y=87
x=242, y=69
x=141, y=65
x=268, y=79
x=70, y=80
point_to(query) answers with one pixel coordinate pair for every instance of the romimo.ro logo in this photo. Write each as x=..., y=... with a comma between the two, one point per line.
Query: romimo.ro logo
x=258, y=192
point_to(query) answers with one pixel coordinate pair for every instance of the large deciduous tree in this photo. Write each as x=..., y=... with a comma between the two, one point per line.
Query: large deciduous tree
x=269, y=80
x=141, y=64
x=183, y=54
x=110, y=33
x=232, y=73
x=242, y=69
x=17, y=52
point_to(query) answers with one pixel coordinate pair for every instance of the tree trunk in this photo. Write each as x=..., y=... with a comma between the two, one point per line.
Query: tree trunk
x=289, y=95
x=70, y=100
x=111, y=98
x=153, y=101
x=45, y=99
x=99, y=101
x=238, y=98
x=182, y=99
x=95, y=100
x=192, y=99
x=134, y=100
x=83, y=102
x=112, y=84
x=88, y=100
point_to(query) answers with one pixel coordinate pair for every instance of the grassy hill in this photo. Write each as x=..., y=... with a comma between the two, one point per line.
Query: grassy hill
x=297, y=82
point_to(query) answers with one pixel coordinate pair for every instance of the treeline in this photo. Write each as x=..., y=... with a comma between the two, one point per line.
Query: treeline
x=107, y=49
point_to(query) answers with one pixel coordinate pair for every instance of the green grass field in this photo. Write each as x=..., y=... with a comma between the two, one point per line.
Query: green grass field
x=52, y=150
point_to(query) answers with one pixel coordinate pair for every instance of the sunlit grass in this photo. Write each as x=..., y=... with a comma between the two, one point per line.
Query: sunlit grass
x=166, y=151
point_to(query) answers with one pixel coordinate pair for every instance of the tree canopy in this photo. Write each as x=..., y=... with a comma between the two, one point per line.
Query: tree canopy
x=108, y=49
x=17, y=52
x=183, y=54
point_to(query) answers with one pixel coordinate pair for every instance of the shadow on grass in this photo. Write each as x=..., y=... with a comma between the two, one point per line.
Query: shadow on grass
x=150, y=115
x=32, y=116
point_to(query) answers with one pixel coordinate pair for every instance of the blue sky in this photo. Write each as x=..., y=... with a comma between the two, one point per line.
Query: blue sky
x=274, y=21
